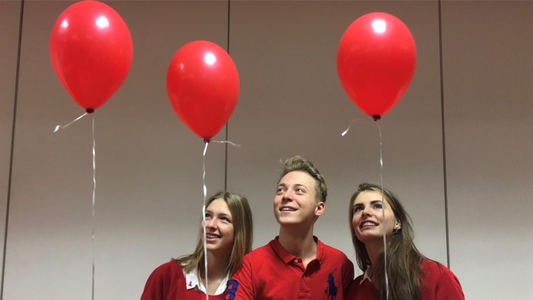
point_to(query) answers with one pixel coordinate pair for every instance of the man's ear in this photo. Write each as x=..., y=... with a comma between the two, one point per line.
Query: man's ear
x=319, y=209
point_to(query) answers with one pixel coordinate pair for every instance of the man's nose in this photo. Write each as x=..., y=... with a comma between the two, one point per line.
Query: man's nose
x=287, y=195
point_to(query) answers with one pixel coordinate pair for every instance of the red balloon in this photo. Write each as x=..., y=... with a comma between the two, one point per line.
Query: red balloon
x=91, y=51
x=376, y=62
x=203, y=87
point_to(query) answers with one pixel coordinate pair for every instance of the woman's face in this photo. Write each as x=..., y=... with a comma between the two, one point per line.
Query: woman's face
x=219, y=227
x=367, y=217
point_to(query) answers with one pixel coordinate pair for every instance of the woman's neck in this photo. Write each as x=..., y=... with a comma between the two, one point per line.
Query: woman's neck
x=374, y=250
x=216, y=271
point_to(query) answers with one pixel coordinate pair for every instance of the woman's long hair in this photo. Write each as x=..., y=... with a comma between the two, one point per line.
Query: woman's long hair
x=243, y=232
x=403, y=258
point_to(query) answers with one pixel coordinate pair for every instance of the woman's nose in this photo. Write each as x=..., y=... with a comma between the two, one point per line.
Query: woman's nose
x=211, y=223
x=366, y=211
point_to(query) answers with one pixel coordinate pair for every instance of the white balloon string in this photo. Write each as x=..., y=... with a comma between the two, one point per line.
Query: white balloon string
x=351, y=123
x=207, y=141
x=226, y=142
x=205, y=227
x=383, y=210
x=93, y=206
x=65, y=126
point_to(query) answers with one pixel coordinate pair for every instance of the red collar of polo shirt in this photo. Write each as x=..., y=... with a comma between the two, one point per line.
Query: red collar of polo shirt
x=288, y=258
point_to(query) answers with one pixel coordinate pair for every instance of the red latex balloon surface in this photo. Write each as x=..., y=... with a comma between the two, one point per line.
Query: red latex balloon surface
x=376, y=62
x=91, y=52
x=203, y=87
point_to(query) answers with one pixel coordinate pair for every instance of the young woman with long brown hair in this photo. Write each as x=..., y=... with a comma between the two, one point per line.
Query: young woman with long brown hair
x=229, y=234
x=411, y=276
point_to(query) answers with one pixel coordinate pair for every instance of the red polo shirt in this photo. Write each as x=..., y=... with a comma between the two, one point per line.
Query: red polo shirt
x=167, y=282
x=270, y=272
x=437, y=283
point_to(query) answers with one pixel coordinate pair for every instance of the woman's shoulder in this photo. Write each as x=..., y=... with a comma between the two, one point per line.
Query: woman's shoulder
x=434, y=268
x=171, y=267
x=440, y=281
x=163, y=281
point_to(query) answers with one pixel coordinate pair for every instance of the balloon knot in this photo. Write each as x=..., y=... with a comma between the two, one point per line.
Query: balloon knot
x=376, y=117
x=207, y=140
x=89, y=110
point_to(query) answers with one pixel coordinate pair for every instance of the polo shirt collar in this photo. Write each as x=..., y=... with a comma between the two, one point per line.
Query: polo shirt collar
x=193, y=282
x=366, y=276
x=287, y=258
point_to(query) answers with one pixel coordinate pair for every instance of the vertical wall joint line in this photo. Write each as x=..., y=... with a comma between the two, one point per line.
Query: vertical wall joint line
x=445, y=178
x=227, y=123
x=17, y=75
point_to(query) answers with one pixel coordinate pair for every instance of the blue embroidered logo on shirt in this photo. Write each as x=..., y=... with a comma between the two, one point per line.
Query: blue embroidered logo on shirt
x=332, y=288
x=232, y=290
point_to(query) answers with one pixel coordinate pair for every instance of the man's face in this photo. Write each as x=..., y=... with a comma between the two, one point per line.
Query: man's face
x=295, y=201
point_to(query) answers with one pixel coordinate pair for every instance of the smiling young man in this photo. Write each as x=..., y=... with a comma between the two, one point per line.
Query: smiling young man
x=296, y=264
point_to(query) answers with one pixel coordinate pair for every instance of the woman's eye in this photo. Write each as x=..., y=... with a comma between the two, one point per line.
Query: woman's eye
x=357, y=209
x=378, y=205
x=279, y=191
x=226, y=219
x=207, y=216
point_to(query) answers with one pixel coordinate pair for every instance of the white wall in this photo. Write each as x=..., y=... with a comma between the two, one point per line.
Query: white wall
x=488, y=73
x=149, y=165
